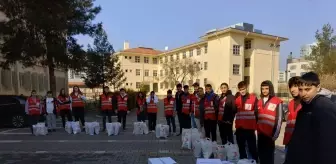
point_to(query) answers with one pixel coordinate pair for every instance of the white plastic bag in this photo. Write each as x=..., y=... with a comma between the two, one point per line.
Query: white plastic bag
x=186, y=142
x=214, y=148
x=90, y=127
x=96, y=127
x=87, y=129
x=232, y=152
x=246, y=161
x=68, y=127
x=195, y=135
x=137, y=128
x=75, y=127
x=116, y=126
x=40, y=129
x=157, y=130
x=145, y=128
x=206, y=148
x=184, y=132
x=227, y=162
x=197, y=148
x=109, y=129
x=164, y=131
x=221, y=152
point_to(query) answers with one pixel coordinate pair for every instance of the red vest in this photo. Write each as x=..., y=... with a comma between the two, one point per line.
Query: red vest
x=169, y=106
x=195, y=106
x=186, y=104
x=141, y=103
x=34, y=106
x=209, y=110
x=63, y=106
x=151, y=107
x=221, y=108
x=291, y=121
x=267, y=116
x=77, y=101
x=106, y=102
x=245, y=117
x=122, y=103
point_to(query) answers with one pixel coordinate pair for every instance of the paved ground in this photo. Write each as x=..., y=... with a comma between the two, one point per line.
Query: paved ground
x=18, y=146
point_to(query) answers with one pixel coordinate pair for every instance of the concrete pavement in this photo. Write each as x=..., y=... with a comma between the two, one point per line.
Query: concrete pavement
x=19, y=146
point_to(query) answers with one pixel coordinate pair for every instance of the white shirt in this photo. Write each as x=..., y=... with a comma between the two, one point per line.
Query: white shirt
x=50, y=105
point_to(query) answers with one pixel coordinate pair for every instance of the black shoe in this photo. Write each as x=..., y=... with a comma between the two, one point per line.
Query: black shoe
x=49, y=130
x=83, y=130
x=178, y=134
x=54, y=130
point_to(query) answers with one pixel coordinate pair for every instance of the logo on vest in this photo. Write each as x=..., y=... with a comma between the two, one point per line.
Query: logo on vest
x=271, y=106
x=248, y=107
x=188, y=101
x=171, y=102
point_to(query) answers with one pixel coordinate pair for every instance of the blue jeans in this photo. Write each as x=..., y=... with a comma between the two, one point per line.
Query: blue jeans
x=193, y=122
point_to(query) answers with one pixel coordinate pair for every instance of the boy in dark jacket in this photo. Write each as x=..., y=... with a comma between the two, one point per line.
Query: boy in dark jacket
x=313, y=139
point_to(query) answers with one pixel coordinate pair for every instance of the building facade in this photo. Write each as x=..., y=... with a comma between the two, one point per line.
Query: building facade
x=239, y=52
x=282, y=76
x=297, y=67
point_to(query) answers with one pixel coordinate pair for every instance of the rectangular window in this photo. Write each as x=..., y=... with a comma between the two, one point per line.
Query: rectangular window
x=235, y=69
x=292, y=67
x=166, y=59
x=125, y=57
x=161, y=72
x=155, y=60
x=248, y=44
x=146, y=72
x=161, y=85
x=206, y=49
x=184, y=55
x=247, y=62
x=177, y=56
x=171, y=57
x=166, y=72
x=205, y=65
x=292, y=74
x=146, y=59
x=198, y=81
x=205, y=81
x=137, y=59
x=304, y=66
x=236, y=49
x=161, y=60
x=198, y=51
x=191, y=53
x=137, y=85
x=166, y=85
x=155, y=73
x=137, y=72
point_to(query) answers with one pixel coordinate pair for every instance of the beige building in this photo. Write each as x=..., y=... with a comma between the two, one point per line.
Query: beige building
x=239, y=52
x=297, y=67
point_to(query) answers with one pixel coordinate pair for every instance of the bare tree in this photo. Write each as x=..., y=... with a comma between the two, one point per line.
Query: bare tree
x=180, y=70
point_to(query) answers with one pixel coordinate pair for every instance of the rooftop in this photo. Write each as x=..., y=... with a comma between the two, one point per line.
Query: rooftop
x=143, y=50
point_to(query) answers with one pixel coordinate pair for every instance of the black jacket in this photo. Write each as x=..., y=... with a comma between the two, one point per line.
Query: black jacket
x=230, y=109
x=178, y=100
x=313, y=140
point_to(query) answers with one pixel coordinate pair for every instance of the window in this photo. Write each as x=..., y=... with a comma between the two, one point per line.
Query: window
x=302, y=73
x=130, y=70
x=126, y=70
x=130, y=57
x=166, y=72
x=161, y=60
x=205, y=65
x=198, y=51
x=292, y=74
x=166, y=58
x=177, y=57
x=146, y=59
x=205, y=81
x=125, y=57
x=304, y=66
x=146, y=72
x=247, y=62
x=137, y=72
x=235, y=69
x=248, y=44
x=184, y=55
x=206, y=49
x=184, y=69
x=198, y=81
x=292, y=67
x=236, y=49
x=171, y=57
x=137, y=59
x=161, y=72
x=155, y=73
x=155, y=60
x=190, y=53
x=166, y=85
x=161, y=85
x=137, y=85
x=247, y=79
x=127, y=84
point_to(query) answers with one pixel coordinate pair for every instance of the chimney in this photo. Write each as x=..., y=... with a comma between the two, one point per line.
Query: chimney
x=126, y=45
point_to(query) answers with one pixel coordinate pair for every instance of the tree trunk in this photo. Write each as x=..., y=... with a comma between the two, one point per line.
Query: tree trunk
x=52, y=79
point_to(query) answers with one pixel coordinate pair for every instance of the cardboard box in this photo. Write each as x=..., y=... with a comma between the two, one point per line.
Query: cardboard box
x=208, y=161
x=162, y=160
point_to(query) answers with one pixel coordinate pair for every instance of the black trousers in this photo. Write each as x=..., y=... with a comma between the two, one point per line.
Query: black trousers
x=79, y=114
x=243, y=136
x=33, y=119
x=152, y=121
x=171, y=122
x=186, y=121
x=122, y=116
x=226, y=132
x=179, y=116
x=108, y=114
x=65, y=113
x=266, y=147
x=141, y=117
x=210, y=127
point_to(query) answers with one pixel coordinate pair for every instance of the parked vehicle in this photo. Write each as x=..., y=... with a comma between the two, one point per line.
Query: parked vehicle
x=12, y=111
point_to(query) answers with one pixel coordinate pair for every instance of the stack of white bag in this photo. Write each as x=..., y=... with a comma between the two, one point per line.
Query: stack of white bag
x=92, y=128
x=113, y=128
x=140, y=128
x=190, y=137
x=40, y=129
x=246, y=161
x=161, y=131
x=72, y=127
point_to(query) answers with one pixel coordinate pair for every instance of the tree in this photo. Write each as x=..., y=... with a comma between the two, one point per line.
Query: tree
x=323, y=53
x=42, y=32
x=181, y=70
x=102, y=66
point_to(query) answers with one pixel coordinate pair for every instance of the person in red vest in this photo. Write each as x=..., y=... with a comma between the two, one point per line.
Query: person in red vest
x=196, y=108
x=246, y=124
x=293, y=107
x=141, y=106
x=122, y=107
x=33, y=109
x=226, y=113
x=152, y=110
x=192, y=115
x=209, y=110
x=77, y=104
x=169, y=111
x=64, y=106
x=186, y=99
x=106, y=106
x=269, y=122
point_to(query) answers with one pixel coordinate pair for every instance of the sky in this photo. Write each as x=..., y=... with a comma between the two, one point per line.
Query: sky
x=174, y=23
